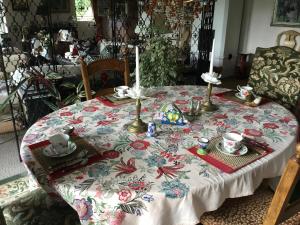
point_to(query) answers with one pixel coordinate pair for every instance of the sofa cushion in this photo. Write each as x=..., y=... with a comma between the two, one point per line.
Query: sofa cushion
x=275, y=74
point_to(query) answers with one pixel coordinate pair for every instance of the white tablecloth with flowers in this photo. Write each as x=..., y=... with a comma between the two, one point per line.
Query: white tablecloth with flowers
x=156, y=181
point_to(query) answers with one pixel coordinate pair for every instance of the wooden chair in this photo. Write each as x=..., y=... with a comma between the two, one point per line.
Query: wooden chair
x=254, y=209
x=100, y=65
x=290, y=39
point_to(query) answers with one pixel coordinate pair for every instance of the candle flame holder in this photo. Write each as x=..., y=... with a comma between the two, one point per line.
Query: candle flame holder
x=208, y=106
x=137, y=126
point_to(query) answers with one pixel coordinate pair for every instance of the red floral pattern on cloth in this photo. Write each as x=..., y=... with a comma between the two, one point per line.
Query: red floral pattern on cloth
x=139, y=173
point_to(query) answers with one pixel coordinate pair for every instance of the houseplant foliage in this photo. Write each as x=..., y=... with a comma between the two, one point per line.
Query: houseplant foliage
x=158, y=63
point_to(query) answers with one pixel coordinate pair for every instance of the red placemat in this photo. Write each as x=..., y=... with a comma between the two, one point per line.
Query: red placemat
x=230, y=164
x=114, y=102
x=230, y=96
x=58, y=167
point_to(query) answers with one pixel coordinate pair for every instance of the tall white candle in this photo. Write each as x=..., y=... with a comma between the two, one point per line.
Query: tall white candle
x=137, y=72
x=211, y=66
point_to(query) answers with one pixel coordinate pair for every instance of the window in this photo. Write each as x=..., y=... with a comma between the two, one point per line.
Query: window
x=84, y=10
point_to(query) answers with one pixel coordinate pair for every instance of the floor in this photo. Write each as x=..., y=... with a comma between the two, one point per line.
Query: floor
x=9, y=158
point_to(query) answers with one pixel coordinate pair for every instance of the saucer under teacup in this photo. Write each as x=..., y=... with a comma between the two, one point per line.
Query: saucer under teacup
x=241, y=151
x=239, y=96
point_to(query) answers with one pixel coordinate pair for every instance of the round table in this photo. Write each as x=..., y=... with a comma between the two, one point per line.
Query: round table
x=155, y=180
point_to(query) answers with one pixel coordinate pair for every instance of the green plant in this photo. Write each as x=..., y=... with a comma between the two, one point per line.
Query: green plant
x=158, y=64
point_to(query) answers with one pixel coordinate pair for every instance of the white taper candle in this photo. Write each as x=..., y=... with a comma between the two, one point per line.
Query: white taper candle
x=211, y=66
x=137, y=72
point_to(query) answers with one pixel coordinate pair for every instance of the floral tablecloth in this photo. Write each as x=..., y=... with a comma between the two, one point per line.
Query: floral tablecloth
x=155, y=180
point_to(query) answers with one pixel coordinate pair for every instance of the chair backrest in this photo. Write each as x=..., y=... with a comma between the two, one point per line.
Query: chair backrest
x=289, y=38
x=275, y=74
x=100, y=65
x=279, y=209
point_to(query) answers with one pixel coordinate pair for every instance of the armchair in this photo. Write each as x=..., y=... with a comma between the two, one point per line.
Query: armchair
x=275, y=74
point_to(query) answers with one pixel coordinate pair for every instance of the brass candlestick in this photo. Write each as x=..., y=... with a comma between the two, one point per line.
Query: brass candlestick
x=137, y=126
x=208, y=106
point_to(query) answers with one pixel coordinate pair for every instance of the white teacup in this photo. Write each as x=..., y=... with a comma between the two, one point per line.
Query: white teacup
x=244, y=91
x=60, y=142
x=232, y=142
x=121, y=91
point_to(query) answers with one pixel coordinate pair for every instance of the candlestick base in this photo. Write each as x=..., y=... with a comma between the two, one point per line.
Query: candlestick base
x=208, y=107
x=137, y=126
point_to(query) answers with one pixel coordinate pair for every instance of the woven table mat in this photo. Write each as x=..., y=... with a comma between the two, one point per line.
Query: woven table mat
x=230, y=95
x=118, y=101
x=228, y=163
x=53, y=164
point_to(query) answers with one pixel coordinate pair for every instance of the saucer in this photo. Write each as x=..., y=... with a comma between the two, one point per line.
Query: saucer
x=50, y=151
x=242, y=151
x=239, y=96
x=119, y=97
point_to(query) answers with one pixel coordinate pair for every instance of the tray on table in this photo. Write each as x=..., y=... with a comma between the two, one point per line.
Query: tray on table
x=230, y=164
x=110, y=100
x=230, y=95
x=56, y=167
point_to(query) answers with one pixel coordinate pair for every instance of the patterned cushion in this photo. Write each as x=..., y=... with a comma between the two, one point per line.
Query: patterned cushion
x=22, y=202
x=275, y=74
x=244, y=211
x=38, y=208
x=16, y=187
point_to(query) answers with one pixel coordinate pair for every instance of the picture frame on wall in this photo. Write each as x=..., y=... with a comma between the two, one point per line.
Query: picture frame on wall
x=61, y=6
x=286, y=13
x=20, y=5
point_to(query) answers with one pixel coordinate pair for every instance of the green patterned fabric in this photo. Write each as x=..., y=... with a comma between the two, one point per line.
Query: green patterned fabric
x=275, y=74
x=22, y=202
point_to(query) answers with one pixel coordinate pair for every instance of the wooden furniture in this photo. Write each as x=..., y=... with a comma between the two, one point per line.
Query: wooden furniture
x=252, y=209
x=290, y=39
x=89, y=70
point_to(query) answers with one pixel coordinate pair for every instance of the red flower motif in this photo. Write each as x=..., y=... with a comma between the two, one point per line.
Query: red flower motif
x=181, y=102
x=126, y=168
x=76, y=121
x=90, y=109
x=253, y=132
x=124, y=195
x=198, y=98
x=136, y=185
x=187, y=130
x=221, y=116
x=285, y=119
x=271, y=125
x=79, y=177
x=140, y=145
x=111, y=154
x=184, y=93
x=104, y=123
x=250, y=118
x=66, y=114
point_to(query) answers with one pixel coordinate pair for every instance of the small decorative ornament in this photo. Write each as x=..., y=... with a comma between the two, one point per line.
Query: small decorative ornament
x=151, y=132
x=171, y=114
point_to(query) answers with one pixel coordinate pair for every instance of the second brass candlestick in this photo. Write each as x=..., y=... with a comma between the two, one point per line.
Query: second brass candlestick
x=208, y=106
x=137, y=126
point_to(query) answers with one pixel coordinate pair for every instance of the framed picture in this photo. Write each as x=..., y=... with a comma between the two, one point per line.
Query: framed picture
x=286, y=13
x=61, y=6
x=20, y=5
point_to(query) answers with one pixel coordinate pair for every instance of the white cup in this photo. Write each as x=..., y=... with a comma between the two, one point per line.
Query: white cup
x=244, y=91
x=232, y=142
x=121, y=91
x=60, y=142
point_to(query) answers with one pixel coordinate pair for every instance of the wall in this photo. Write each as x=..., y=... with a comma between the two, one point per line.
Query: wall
x=256, y=29
x=227, y=25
